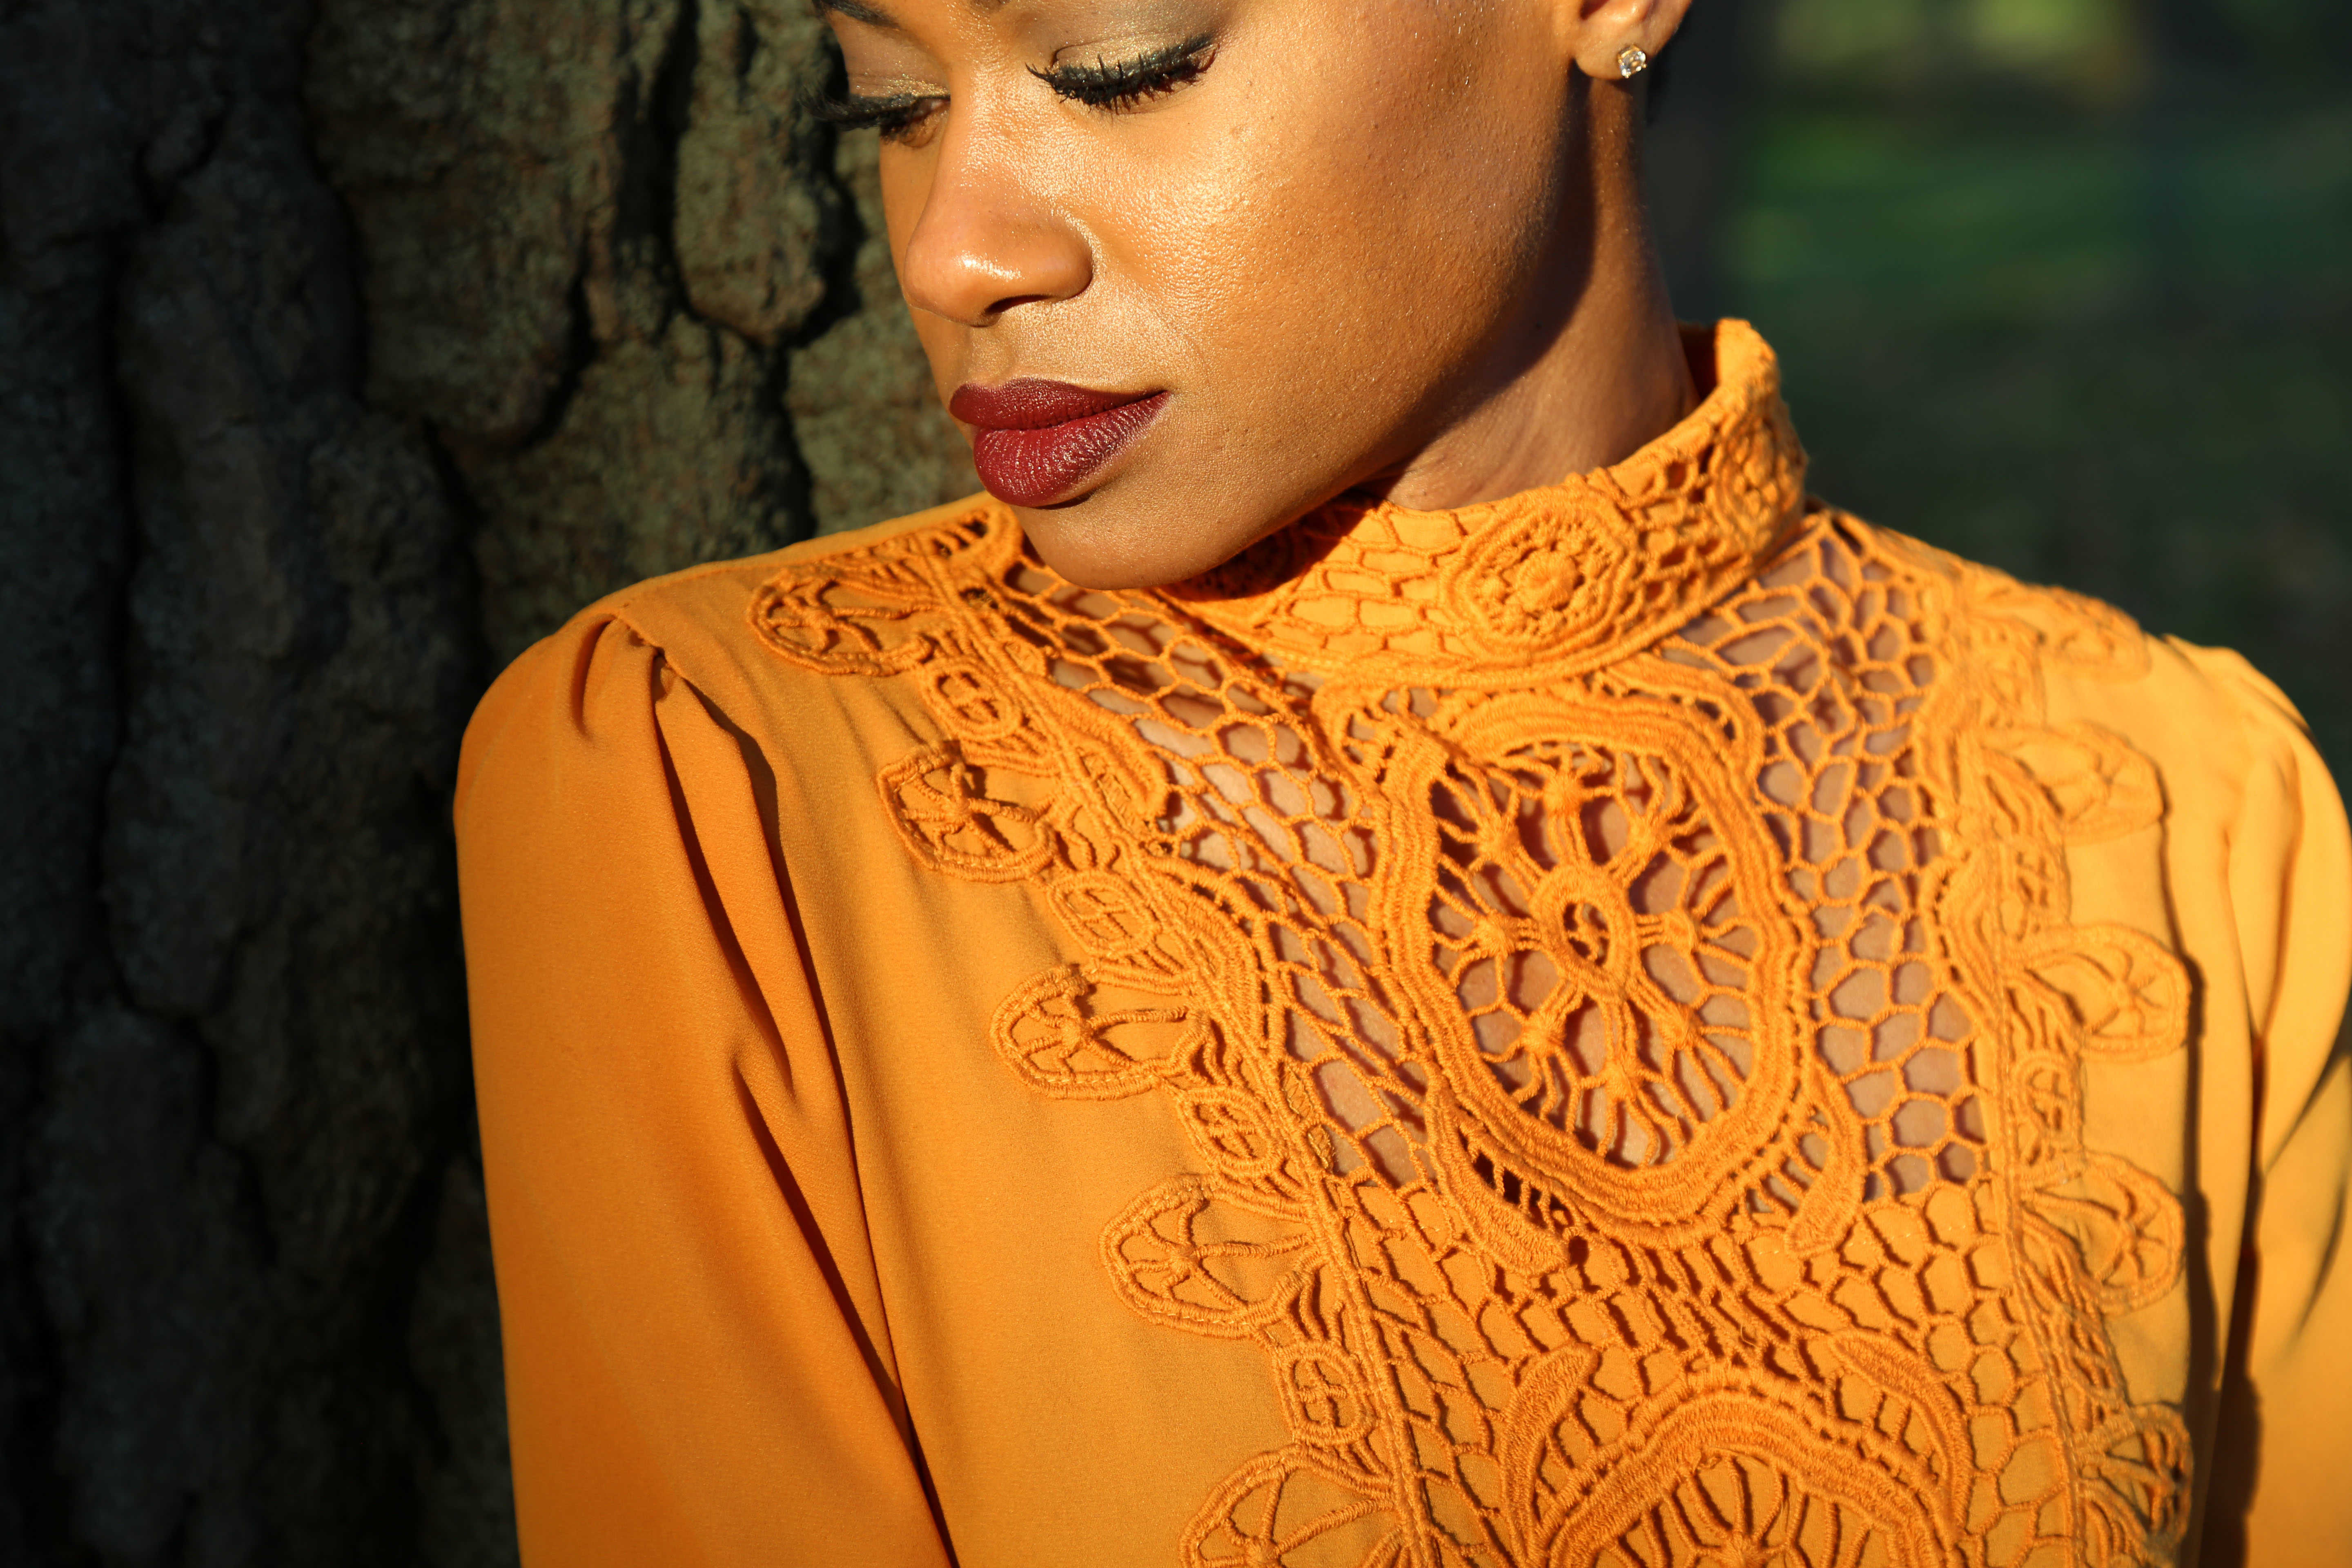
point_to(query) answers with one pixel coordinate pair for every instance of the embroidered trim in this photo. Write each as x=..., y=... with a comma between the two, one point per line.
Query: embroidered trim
x=1633, y=1055
x=1572, y=575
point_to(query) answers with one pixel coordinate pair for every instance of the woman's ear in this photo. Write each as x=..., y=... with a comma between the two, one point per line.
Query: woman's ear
x=1603, y=34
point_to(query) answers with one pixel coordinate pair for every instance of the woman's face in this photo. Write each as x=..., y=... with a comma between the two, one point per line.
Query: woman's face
x=1187, y=268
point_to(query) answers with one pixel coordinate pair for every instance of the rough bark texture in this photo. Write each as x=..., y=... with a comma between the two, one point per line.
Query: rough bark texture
x=345, y=347
x=611, y=268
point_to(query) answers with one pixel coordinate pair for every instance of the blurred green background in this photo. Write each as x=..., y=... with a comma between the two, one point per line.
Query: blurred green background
x=2064, y=286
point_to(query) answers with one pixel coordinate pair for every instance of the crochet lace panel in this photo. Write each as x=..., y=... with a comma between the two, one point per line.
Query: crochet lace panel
x=1622, y=1005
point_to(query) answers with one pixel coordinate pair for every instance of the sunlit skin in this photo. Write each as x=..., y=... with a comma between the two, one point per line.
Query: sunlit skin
x=1390, y=245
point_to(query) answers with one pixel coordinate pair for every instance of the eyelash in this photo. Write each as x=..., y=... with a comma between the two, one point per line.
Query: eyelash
x=894, y=115
x=1123, y=85
x=1115, y=87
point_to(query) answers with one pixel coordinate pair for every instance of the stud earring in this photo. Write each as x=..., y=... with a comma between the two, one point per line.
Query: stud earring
x=1632, y=61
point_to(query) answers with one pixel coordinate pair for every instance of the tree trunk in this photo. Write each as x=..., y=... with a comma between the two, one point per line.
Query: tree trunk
x=346, y=348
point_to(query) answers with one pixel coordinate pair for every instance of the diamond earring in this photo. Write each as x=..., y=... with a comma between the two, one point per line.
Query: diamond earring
x=1632, y=61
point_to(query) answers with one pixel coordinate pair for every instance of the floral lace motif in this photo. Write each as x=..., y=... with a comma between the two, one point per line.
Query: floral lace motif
x=1622, y=1003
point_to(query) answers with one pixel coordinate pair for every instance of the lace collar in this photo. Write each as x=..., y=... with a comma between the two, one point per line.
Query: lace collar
x=1561, y=579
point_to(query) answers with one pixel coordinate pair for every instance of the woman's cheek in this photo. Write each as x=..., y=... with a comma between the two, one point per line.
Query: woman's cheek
x=1203, y=257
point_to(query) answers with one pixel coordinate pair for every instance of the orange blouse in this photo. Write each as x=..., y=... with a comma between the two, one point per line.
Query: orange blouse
x=1644, y=1023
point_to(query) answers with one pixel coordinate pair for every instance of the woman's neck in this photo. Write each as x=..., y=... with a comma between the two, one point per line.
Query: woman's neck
x=1594, y=370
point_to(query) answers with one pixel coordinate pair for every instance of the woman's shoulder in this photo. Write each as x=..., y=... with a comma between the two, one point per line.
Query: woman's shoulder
x=750, y=609
x=814, y=607
x=752, y=640
x=2034, y=654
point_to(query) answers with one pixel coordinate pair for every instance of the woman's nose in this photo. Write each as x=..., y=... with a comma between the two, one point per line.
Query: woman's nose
x=983, y=242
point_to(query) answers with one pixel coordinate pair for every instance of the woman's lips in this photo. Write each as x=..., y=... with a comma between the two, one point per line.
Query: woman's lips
x=1036, y=441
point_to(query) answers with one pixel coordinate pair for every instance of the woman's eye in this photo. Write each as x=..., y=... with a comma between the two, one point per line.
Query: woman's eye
x=1117, y=85
x=1113, y=85
x=898, y=115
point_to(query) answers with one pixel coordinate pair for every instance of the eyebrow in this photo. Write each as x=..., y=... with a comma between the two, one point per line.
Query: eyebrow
x=859, y=11
x=875, y=16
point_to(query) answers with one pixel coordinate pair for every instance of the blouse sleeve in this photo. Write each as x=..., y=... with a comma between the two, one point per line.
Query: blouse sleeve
x=697, y=1366
x=2287, y=1397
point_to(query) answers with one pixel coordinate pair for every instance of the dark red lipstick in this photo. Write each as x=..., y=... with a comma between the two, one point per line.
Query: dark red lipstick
x=1034, y=442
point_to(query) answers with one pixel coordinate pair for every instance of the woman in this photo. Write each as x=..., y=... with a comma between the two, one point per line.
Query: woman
x=1293, y=988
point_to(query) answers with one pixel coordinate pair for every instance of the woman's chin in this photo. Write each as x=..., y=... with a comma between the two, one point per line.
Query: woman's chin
x=1103, y=541
x=1108, y=564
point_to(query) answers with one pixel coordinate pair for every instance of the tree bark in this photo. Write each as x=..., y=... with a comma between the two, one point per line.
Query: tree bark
x=346, y=347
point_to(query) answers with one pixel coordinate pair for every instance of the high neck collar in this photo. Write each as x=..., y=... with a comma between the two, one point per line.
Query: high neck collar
x=1551, y=580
